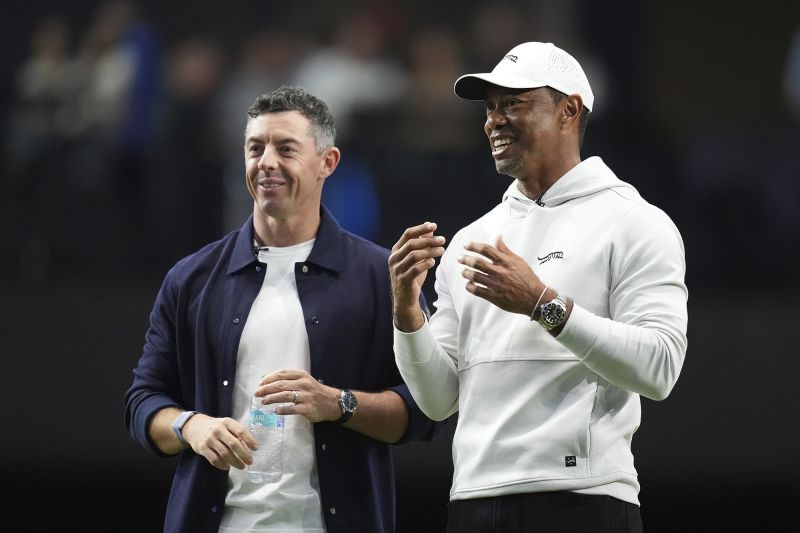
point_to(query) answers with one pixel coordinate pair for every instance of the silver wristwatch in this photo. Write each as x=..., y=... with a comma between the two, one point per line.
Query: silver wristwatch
x=348, y=405
x=553, y=313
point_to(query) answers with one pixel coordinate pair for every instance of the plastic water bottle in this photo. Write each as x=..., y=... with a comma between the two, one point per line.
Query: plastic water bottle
x=267, y=427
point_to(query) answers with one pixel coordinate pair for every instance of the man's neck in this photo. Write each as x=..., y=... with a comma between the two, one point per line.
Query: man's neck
x=281, y=232
x=536, y=184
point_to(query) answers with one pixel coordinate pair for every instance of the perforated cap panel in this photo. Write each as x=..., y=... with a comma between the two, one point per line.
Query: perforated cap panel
x=563, y=63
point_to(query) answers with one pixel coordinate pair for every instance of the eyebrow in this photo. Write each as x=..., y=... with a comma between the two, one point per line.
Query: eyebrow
x=278, y=140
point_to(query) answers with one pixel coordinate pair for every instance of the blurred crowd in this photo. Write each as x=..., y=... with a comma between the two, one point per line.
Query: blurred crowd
x=123, y=148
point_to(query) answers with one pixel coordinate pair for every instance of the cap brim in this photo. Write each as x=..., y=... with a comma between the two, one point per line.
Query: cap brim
x=474, y=86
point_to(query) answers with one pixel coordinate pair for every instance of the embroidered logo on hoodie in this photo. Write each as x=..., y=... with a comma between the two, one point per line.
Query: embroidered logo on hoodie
x=551, y=255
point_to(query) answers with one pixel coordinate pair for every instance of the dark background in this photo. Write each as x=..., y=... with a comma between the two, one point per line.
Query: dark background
x=695, y=106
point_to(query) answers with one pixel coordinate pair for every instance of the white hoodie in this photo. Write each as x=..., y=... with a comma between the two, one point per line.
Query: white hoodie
x=543, y=414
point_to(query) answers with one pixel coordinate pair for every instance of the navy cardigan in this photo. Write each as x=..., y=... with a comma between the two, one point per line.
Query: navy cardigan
x=189, y=361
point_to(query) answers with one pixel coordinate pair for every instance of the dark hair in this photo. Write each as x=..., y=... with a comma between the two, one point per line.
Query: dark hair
x=293, y=98
x=557, y=96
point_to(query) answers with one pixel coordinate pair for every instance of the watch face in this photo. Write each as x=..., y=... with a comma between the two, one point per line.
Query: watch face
x=349, y=402
x=553, y=313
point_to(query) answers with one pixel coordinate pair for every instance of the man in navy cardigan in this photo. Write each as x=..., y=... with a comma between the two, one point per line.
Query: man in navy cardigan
x=293, y=310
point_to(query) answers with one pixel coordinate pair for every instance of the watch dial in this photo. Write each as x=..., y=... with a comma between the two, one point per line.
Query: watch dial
x=553, y=313
x=349, y=402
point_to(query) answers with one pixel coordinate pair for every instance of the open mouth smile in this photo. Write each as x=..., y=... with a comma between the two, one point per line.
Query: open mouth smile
x=270, y=184
x=500, y=145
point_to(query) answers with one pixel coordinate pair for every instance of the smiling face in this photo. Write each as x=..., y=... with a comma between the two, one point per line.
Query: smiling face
x=523, y=128
x=285, y=173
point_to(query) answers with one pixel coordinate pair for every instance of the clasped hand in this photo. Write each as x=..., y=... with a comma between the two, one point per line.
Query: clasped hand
x=226, y=442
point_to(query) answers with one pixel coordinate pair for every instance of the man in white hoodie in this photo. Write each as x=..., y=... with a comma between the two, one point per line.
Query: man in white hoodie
x=556, y=310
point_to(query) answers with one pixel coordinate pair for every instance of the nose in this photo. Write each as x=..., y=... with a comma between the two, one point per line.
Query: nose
x=268, y=160
x=495, y=119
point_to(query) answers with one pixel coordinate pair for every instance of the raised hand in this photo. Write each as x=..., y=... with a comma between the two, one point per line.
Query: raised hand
x=501, y=277
x=411, y=258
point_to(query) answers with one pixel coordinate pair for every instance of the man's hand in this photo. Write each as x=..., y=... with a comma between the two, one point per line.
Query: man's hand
x=411, y=258
x=501, y=277
x=305, y=395
x=224, y=442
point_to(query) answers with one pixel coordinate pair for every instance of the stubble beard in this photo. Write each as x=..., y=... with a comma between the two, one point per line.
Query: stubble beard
x=509, y=167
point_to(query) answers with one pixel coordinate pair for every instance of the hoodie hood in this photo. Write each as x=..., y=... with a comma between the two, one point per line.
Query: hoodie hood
x=587, y=177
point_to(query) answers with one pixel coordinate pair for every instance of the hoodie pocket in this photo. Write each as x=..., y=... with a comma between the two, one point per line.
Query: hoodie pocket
x=528, y=419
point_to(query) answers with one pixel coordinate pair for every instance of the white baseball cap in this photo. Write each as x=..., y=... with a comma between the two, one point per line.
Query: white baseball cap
x=529, y=66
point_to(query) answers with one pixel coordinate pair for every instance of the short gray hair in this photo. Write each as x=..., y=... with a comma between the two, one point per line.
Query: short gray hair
x=293, y=98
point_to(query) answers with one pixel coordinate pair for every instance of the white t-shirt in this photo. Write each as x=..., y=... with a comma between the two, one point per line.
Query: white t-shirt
x=274, y=338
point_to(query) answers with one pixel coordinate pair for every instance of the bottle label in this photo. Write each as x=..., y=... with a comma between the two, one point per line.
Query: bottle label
x=268, y=419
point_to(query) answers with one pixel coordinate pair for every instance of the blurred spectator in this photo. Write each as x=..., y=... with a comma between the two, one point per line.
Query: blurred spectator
x=354, y=74
x=495, y=28
x=436, y=61
x=121, y=71
x=107, y=68
x=433, y=140
x=186, y=189
x=120, y=68
x=39, y=127
x=46, y=82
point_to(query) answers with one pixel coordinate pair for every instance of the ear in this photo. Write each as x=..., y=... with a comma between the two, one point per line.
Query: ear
x=330, y=160
x=571, y=107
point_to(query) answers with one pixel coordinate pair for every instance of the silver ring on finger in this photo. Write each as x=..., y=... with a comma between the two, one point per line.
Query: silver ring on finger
x=294, y=398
